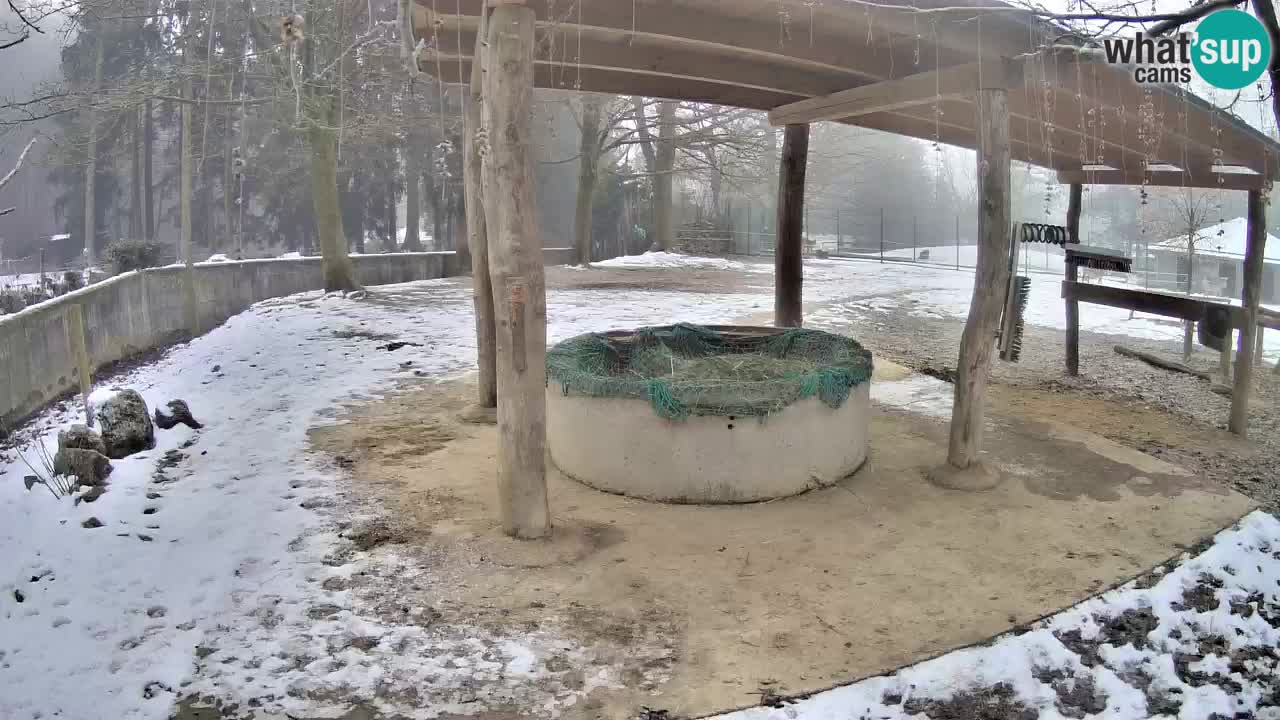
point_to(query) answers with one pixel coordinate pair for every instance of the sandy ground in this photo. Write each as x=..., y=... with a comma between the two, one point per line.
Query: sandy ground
x=705, y=609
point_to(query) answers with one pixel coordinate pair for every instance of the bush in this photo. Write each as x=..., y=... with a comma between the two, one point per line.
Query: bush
x=128, y=255
x=72, y=280
x=13, y=299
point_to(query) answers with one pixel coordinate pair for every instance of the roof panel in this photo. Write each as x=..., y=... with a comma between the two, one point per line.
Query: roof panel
x=761, y=54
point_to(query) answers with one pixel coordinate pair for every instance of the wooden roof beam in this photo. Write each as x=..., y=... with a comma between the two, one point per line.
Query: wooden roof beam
x=1206, y=180
x=960, y=82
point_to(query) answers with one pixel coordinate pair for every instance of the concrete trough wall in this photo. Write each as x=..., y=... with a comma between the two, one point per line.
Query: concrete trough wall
x=620, y=445
x=137, y=311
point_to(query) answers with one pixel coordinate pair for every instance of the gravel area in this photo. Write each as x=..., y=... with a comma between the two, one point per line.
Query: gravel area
x=932, y=344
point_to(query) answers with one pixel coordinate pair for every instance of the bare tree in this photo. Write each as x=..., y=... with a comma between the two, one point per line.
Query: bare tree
x=17, y=165
x=1189, y=211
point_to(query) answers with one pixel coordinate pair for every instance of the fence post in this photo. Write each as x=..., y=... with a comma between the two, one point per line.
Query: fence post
x=913, y=238
x=749, y=248
x=882, y=235
x=957, y=242
x=73, y=323
x=806, y=225
x=839, y=236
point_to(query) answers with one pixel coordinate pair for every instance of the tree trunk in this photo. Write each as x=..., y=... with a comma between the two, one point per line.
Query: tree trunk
x=788, y=261
x=1249, y=298
x=1188, y=328
x=184, y=201
x=515, y=257
x=393, y=232
x=228, y=184
x=148, y=208
x=978, y=339
x=433, y=197
x=339, y=273
x=135, y=176
x=663, y=220
x=91, y=167
x=412, y=199
x=588, y=162
x=481, y=285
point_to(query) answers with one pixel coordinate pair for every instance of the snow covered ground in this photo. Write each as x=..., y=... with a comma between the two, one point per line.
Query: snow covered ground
x=220, y=565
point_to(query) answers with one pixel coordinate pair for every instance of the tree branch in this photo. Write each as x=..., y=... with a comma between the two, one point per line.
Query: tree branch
x=18, y=165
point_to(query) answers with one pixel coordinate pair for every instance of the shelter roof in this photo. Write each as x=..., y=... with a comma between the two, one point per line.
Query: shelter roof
x=911, y=69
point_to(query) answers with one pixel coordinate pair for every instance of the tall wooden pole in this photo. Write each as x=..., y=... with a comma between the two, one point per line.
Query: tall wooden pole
x=481, y=286
x=1073, y=305
x=977, y=343
x=788, y=263
x=1250, y=296
x=515, y=266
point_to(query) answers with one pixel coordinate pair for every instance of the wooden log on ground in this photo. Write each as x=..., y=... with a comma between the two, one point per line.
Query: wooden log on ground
x=978, y=342
x=481, y=285
x=1163, y=364
x=788, y=261
x=1073, y=306
x=1249, y=297
x=515, y=266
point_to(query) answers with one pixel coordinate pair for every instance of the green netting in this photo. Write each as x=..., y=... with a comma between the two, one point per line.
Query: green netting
x=685, y=370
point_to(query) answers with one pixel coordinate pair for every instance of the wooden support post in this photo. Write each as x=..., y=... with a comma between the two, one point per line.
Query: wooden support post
x=977, y=343
x=74, y=326
x=1073, y=305
x=1259, y=347
x=515, y=266
x=1224, y=357
x=481, y=285
x=1249, y=297
x=788, y=263
x=882, y=235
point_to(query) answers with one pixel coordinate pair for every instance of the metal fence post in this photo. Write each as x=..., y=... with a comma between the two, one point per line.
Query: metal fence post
x=881, y=234
x=913, y=238
x=839, y=236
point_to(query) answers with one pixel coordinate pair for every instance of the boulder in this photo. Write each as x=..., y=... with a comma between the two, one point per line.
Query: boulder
x=126, y=425
x=179, y=413
x=80, y=437
x=88, y=467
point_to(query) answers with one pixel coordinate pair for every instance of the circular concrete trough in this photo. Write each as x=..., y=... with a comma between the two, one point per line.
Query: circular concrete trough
x=621, y=445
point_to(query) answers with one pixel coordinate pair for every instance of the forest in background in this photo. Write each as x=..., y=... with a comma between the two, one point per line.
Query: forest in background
x=334, y=137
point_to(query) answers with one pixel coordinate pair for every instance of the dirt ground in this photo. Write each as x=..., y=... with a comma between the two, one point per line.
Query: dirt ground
x=701, y=609
x=696, y=609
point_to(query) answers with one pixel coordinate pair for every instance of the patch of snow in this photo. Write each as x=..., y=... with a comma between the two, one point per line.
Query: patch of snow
x=918, y=393
x=218, y=258
x=234, y=564
x=290, y=255
x=663, y=259
x=1225, y=239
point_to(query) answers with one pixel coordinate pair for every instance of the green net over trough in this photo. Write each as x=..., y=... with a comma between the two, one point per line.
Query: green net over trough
x=685, y=370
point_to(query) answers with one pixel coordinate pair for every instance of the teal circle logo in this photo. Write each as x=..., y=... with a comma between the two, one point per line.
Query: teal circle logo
x=1232, y=49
